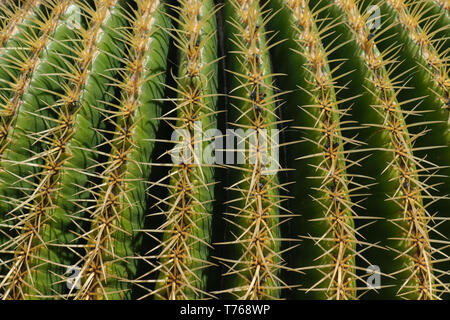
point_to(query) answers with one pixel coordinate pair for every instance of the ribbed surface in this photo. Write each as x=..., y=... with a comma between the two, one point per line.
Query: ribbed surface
x=115, y=177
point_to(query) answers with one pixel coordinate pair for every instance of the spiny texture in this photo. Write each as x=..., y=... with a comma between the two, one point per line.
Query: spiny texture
x=20, y=58
x=254, y=266
x=185, y=149
x=24, y=239
x=12, y=14
x=430, y=64
x=331, y=269
x=408, y=173
x=183, y=252
x=117, y=212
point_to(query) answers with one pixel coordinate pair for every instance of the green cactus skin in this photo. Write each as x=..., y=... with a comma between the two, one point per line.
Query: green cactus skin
x=19, y=58
x=118, y=213
x=254, y=257
x=395, y=161
x=328, y=213
x=66, y=214
x=434, y=21
x=421, y=55
x=186, y=231
x=22, y=160
x=45, y=203
x=95, y=202
x=444, y=5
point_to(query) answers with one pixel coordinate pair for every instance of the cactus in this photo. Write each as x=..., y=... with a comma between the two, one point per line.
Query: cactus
x=238, y=149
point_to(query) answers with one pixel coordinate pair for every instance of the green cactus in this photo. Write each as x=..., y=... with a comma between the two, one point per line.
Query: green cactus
x=237, y=149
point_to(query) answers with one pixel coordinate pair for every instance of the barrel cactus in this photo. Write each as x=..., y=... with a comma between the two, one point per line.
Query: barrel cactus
x=237, y=149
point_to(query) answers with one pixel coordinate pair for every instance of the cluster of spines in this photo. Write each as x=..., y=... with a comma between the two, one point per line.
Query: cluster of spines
x=436, y=64
x=28, y=225
x=12, y=15
x=184, y=236
x=413, y=221
x=430, y=55
x=28, y=59
x=433, y=20
x=444, y=4
x=259, y=203
x=41, y=202
x=339, y=242
x=117, y=212
x=255, y=249
x=423, y=33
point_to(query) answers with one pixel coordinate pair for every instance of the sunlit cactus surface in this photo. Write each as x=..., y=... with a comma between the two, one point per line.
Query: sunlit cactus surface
x=236, y=149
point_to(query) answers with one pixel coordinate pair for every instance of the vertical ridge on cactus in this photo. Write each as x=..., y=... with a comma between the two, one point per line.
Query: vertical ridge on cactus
x=421, y=54
x=254, y=244
x=400, y=166
x=182, y=260
x=19, y=63
x=335, y=154
x=18, y=161
x=69, y=212
x=118, y=210
x=12, y=15
x=331, y=208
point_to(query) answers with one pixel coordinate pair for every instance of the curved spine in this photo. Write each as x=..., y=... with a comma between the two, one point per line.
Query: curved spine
x=434, y=21
x=445, y=4
x=14, y=15
x=431, y=84
x=21, y=60
x=58, y=257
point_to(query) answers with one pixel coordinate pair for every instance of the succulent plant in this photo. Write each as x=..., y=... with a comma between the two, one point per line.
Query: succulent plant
x=238, y=149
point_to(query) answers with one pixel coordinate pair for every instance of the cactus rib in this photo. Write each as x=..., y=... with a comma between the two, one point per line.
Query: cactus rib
x=255, y=257
x=413, y=220
x=186, y=231
x=54, y=139
x=229, y=149
x=331, y=270
x=34, y=42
